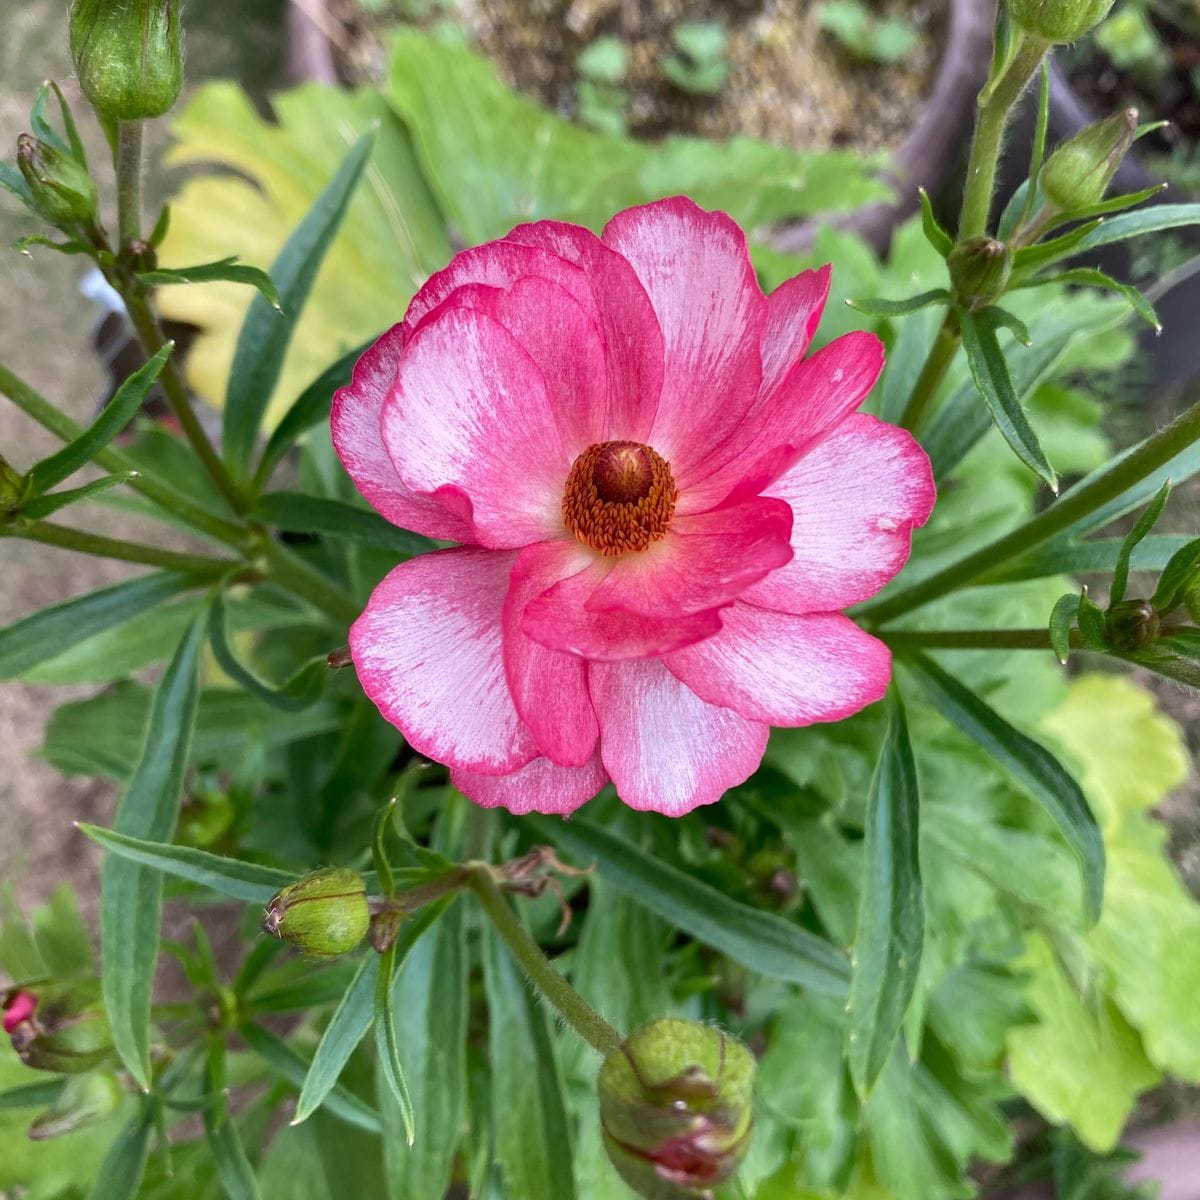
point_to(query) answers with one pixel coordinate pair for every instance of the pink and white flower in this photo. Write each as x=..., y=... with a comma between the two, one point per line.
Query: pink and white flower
x=662, y=508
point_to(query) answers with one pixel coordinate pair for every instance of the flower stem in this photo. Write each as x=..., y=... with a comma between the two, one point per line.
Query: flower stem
x=941, y=355
x=1098, y=489
x=571, y=1006
x=989, y=135
x=970, y=639
x=50, y=534
x=129, y=182
x=297, y=576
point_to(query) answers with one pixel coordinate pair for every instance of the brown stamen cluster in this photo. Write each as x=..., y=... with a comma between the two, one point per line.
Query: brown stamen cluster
x=619, y=496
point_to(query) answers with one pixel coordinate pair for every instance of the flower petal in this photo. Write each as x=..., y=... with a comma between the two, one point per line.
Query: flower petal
x=540, y=786
x=814, y=397
x=666, y=749
x=785, y=669
x=470, y=417
x=705, y=560
x=856, y=498
x=633, y=339
x=794, y=311
x=357, y=409
x=548, y=686
x=428, y=653
x=560, y=619
x=696, y=269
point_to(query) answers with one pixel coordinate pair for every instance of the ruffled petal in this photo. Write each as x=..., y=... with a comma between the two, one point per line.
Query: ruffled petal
x=428, y=652
x=814, y=397
x=856, y=498
x=357, y=411
x=705, y=560
x=785, y=669
x=560, y=619
x=696, y=269
x=470, y=421
x=540, y=786
x=633, y=339
x=548, y=686
x=666, y=749
x=794, y=311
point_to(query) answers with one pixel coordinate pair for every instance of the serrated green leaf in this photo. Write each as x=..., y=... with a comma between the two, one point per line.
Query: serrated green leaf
x=989, y=369
x=131, y=895
x=267, y=331
x=935, y=235
x=1062, y=618
x=1090, y=277
x=246, y=881
x=759, y=940
x=120, y=1174
x=229, y=270
x=118, y=412
x=900, y=308
x=1030, y=764
x=296, y=512
x=46, y=506
x=1145, y=523
x=1154, y=219
x=891, y=917
x=529, y=1114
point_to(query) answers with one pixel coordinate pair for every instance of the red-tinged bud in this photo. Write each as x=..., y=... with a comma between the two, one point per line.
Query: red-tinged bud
x=1058, y=20
x=1079, y=171
x=675, y=1108
x=60, y=188
x=59, y=1026
x=323, y=915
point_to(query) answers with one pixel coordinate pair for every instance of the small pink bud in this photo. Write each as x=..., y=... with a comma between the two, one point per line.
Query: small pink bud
x=20, y=1008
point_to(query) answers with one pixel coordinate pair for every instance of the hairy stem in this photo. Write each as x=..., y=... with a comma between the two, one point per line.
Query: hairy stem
x=129, y=182
x=571, y=1006
x=941, y=355
x=297, y=576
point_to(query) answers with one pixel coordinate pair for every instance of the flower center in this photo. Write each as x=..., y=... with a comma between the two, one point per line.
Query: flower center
x=619, y=496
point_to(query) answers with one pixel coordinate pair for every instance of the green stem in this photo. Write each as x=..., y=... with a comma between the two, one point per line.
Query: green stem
x=969, y=639
x=1085, y=497
x=45, y=414
x=571, y=1006
x=129, y=182
x=426, y=893
x=297, y=576
x=941, y=355
x=66, y=538
x=989, y=135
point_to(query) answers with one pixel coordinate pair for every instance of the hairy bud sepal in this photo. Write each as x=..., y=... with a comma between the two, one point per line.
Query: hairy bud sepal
x=128, y=56
x=323, y=915
x=979, y=272
x=59, y=1027
x=1078, y=172
x=1058, y=20
x=675, y=1108
x=60, y=189
x=1131, y=625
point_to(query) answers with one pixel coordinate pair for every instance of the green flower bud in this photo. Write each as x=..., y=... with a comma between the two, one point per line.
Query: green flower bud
x=675, y=1108
x=323, y=915
x=1079, y=171
x=1058, y=20
x=12, y=486
x=62, y=190
x=979, y=271
x=59, y=1026
x=127, y=55
x=86, y=1100
x=1131, y=625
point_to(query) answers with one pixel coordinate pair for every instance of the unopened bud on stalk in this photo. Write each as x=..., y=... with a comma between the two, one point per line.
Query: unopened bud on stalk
x=1079, y=171
x=61, y=189
x=59, y=1027
x=86, y=1100
x=127, y=55
x=1131, y=625
x=675, y=1108
x=1058, y=20
x=323, y=915
x=979, y=271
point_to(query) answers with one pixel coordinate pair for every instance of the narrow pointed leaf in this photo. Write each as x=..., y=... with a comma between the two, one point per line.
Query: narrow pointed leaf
x=1183, y=567
x=1030, y=764
x=246, y=881
x=1042, y=253
x=891, y=916
x=899, y=308
x=131, y=895
x=121, y=1172
x=935, y=235
x=32, y=1095
x=295, y=512
x=228, y=270
x=989, y=369
x=387, y=1045
x=1064, y=556
x=48, y=505
x=1062, y=617
x=758, y=940
x=1002, y=317
x=117, y=413
x=1090, y=619
x=1145, y=523
x=14, y=181
x=266, y=331
x=1090, y=277
x=1154, y=219
x=1114, y=205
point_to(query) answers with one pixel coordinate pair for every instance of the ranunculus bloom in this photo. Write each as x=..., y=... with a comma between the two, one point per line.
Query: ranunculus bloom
x=663, y=506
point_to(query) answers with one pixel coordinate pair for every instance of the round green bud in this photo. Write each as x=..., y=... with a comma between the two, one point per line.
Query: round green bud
x=59, y=1027
x=127, y=56
x=1131, y=625
x=979, y=271
x=62, y=191
x=1079, y=171
x=1058, y=20
x=85, y=1100
x=675, y=1108
x=323, y=915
